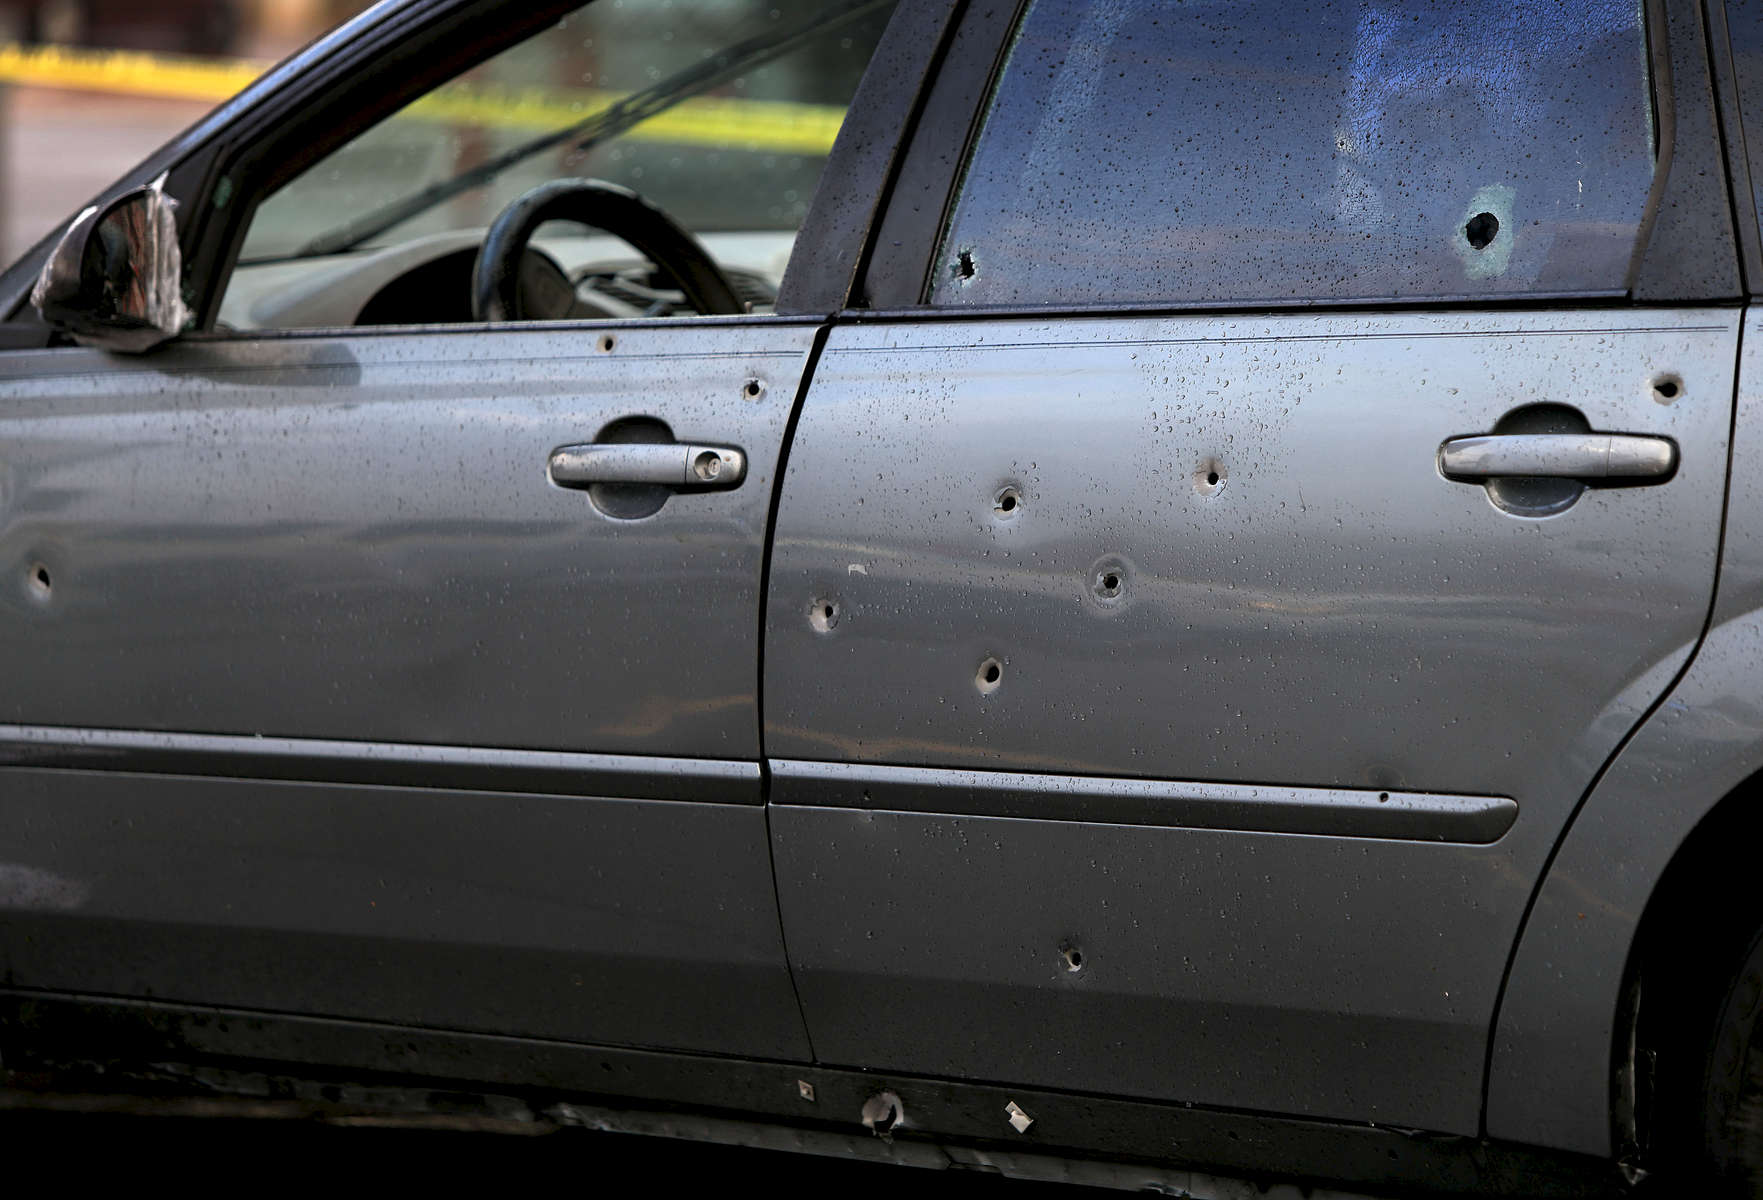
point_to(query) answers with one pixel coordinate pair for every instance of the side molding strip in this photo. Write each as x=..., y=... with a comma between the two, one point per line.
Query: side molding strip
x=1336, y=812
x=393, y=764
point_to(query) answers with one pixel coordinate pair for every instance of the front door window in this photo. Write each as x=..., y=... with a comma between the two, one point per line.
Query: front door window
x=720, y=114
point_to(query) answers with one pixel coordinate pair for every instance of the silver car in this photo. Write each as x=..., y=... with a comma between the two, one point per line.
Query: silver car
x=1141, y=592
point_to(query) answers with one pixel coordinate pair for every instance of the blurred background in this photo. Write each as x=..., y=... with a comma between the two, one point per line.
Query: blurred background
x=72, y=118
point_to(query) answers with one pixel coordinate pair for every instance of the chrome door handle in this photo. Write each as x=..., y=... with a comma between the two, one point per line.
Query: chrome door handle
x=671, y=464
x=1559, y=456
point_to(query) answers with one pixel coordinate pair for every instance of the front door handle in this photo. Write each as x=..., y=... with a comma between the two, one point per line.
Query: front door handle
x=1558, y=456
x=671, y=464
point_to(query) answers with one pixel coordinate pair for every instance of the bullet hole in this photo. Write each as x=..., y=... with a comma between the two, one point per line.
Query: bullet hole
x=805, y=1090
x=1209, y=477
x=823, y=615
x=964, y=268
x=1007, y=502
x=1667, y=388
x=882, y=1114
x=606, y=342
x=989, y=677
x=753, y=389
x=1107, y=579
x=37, y=579
x=1383, y=797
x=1481, y=230
x=1074, y=958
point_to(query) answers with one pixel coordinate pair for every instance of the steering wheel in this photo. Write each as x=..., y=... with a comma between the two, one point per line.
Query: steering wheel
x=496, y=276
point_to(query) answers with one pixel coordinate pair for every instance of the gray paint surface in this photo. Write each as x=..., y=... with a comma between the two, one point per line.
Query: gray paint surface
x=1258, y=971
x=340, y=558
x=550, y=916
x=1331, y=612
x=354, y=537
x=1552, y=1060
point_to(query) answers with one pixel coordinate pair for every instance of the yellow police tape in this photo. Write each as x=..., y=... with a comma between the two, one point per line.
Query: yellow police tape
x=775, y=125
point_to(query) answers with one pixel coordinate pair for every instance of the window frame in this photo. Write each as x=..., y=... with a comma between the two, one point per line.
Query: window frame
x=1738, y=149
x=1686, y=251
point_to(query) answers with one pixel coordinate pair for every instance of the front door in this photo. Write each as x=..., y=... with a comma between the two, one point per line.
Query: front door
x=366, y=659
x=1184, y=706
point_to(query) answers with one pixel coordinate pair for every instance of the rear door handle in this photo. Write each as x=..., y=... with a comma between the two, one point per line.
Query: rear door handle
x=671, y=464
x=1559, y=456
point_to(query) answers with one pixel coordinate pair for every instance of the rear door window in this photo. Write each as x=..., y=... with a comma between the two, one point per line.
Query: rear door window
x=1142, y=151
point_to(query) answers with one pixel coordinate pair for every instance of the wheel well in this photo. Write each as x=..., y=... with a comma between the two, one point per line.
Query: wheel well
x=1697, y=926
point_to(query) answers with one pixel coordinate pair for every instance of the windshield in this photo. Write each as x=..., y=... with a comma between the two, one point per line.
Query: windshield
x=743, y=101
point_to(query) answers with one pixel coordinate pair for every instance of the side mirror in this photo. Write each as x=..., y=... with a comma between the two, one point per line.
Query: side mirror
x=115, y=279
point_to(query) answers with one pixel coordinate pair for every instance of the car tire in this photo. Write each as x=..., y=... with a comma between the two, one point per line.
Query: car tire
x=1732, y=1083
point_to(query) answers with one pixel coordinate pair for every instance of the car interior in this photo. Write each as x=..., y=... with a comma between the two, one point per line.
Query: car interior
x=711, y=131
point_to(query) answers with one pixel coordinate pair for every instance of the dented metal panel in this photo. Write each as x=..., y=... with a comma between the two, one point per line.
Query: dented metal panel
x=1228, y=555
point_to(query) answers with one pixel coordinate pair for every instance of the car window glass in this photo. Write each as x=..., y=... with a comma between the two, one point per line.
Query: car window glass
x=735, y=164
x=1211, y=151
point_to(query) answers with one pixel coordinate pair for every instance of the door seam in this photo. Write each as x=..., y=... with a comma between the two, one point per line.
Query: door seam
x=821, y=333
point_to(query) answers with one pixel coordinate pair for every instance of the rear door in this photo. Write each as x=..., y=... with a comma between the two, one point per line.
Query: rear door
x=328, y=688
x=1184, y=706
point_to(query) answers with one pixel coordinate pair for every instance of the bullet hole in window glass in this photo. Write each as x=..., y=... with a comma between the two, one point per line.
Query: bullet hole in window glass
x=1211, y=152
x=1481, y=230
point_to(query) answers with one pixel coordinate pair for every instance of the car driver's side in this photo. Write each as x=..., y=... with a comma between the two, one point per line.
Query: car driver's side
x=429, y=652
